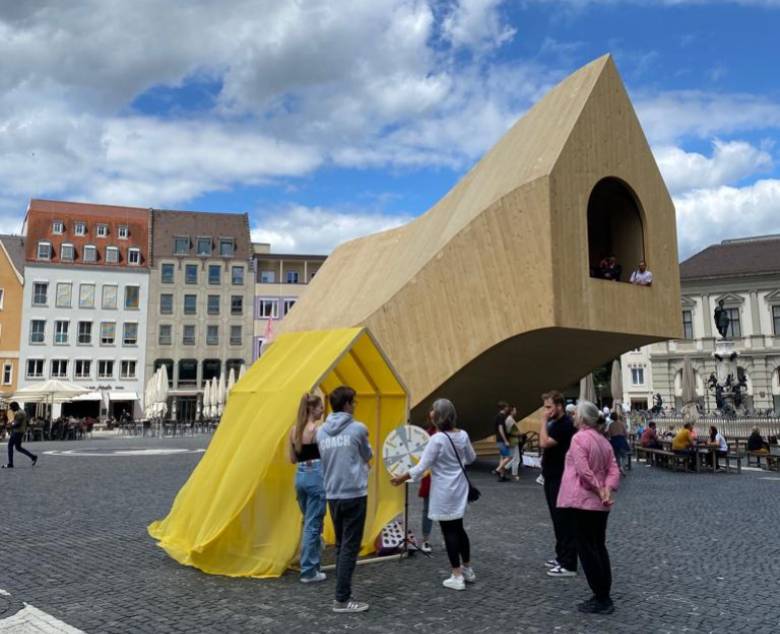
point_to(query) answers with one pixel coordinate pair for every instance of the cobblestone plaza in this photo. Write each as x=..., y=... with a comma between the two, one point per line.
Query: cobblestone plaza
x=690, y=553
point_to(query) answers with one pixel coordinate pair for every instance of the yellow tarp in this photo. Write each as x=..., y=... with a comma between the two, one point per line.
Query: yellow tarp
x=237, y=514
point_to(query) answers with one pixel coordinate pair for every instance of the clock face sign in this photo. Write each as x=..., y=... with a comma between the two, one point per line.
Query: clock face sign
x=403, y=448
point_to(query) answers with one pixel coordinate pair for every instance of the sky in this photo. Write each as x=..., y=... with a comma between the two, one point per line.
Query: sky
x=326, y=120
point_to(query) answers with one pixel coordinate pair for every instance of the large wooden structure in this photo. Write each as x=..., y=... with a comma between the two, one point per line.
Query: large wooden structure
x=489, y=294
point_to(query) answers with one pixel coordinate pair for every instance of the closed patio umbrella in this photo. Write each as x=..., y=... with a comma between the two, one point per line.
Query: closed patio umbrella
x=221, y=394
x=587, y=390
x=206, y=402
x=616, y=383
x=214, y=395
x=688, y=382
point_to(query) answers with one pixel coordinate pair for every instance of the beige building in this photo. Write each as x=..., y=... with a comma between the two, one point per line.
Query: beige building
x=745, y=274
x=201, y=291
x=11, y=290
x=280, y=281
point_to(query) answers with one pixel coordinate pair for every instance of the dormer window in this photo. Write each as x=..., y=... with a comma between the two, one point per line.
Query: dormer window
x=181, y=245
x=44, y=250
x=204, y=246
x=102, y=231
x=134, y=256
x=57, y=227
x=226, y=247
x=123, y=232
x=90, y=253
x=66, y=252
x=112, y=255
x=80, y=228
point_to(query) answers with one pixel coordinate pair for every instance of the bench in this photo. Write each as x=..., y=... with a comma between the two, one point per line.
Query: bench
x=772, y=461
x=664, y=458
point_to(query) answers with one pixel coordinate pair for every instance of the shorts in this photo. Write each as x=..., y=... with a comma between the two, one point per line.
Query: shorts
x=504, y=450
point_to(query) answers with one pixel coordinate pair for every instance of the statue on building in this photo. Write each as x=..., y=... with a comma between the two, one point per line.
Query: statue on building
x=721, y=316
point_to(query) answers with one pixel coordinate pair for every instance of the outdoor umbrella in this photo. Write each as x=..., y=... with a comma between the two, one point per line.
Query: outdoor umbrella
x=231, y=382
x=162, y=390
x=221, y=395
x=688, y=382
x=49, y=392
x=214, y=395
x=206, y=402
x=587, y=391
x=616, y=383
x=242, y=371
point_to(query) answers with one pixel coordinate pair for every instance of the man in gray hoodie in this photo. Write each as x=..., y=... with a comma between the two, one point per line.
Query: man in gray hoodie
x=345, y=453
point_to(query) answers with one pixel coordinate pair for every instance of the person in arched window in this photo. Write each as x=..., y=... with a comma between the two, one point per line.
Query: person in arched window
x=641, y=276
x=610, y=269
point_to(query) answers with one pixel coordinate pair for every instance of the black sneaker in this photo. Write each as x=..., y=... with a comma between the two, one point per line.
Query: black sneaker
x=597, y=607
x=35, y=461
x=586, y=605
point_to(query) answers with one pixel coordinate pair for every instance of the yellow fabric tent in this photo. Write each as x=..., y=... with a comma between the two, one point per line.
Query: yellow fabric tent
x=237, y=514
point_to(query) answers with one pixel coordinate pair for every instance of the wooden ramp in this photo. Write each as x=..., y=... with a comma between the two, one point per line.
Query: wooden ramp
x=489, y=294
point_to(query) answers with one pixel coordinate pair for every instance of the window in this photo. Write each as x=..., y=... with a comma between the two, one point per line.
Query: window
x=80, y=228
x=61, y=332
x=35, y=368
x=267, y=277
x=166, y=303
x=107, y=333
x=83, y=368
x=268, y=309
x=226, y=247
x=687, y=324
x=85, y=332
x=127, y=370
x=67, y=252
x=8, y=373
x=112, y=255
x=90, y=253
x=165, y=335
x=235, y=335
x=37, y=330
x=292, y=277
x=190, y=273
x=233, y=364
x=44, y=250
x=166, y=273
x=188, y=371
x=87, y=296
x=64, y=294
x=637, y=376
x=59, y=368
x=57, y=227
x=215, y=274
x=105, y=369
x=213, y=305
x=188, y=335
x=735, y=328
x=212, y=335
x=237, y=275
x=102, y=231
x=40, y=291
x=204, y=246
x=134, y=256
x=130, y=334
x=237, y=305
x=211, y=369
x=190, y=304
x=287, y=304
x=123, y=232
x=132, y=294
x=181, y=245
x=776, y=319
x=110, y=293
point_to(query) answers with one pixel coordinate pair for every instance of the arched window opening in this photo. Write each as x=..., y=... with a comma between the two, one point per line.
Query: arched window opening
x=616, y=243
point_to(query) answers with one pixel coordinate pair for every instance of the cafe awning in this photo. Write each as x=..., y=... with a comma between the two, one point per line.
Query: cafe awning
x=122, y=396
x=89, y=396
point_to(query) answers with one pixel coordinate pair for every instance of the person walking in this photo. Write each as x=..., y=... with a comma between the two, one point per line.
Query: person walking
x=18, y=429
x=555, y=434
x=445, y=455
x=309, y=487
x=345, y=454
x=618, y=438
x=590, y=477
x=502, y=441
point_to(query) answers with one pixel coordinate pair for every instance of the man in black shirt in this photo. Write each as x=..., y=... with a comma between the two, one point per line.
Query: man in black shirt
x=502, y=440
x=555, y=434
x=18, y=428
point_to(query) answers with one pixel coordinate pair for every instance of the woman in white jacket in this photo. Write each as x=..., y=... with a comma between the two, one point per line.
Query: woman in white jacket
x=449, y=488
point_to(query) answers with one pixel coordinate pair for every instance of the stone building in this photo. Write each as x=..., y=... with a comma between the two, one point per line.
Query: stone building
x=745, y=275
x=11, y=289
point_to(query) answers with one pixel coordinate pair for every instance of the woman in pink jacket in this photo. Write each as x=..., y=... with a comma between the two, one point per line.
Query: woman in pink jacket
x=589, y=478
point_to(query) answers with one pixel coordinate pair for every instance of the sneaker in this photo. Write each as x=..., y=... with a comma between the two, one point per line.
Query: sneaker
x=551, y=563
x=540, y=480
x=585, y=605
x=469, y=576
x=426, y=547
x=7, y=466
x=315, y=578
x=454, y=583
x=594, y=606
x=349, y=606
x=560, y=571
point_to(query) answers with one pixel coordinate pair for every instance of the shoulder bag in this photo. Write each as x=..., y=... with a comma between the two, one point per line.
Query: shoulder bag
x=474, y=492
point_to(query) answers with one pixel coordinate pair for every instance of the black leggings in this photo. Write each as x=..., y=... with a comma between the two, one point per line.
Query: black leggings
x=456, y=541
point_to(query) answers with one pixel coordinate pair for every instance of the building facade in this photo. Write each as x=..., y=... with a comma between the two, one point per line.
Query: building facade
x=11, y=289
x=201, y=296
x=280, y=281
x=745, y=275
x=85, y=303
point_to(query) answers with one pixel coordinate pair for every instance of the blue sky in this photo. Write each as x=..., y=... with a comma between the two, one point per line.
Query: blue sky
x=327, y=120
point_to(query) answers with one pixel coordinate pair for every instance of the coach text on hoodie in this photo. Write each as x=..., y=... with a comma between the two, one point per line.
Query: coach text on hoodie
x=345, y=452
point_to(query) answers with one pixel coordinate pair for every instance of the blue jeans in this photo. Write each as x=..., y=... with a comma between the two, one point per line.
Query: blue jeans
x=427, y=522
x=311, y=498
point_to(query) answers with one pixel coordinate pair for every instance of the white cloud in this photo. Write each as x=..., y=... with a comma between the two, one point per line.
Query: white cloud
x=706, y=216
x=299, y=229
x=730, y=162
x=476, y=24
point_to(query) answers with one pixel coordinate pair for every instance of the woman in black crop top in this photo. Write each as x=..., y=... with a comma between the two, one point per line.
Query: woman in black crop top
x=309, y=487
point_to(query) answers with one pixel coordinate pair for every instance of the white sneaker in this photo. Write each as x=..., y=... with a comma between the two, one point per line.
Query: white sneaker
x=560, y=571
x=315, y=578
x=540, y=480
x=349, y=606
x=551, y=563
x=469, y=576
x=426, y=547
x=454, y=583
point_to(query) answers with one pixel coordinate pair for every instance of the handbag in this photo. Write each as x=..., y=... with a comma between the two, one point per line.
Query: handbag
x=474, y=492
